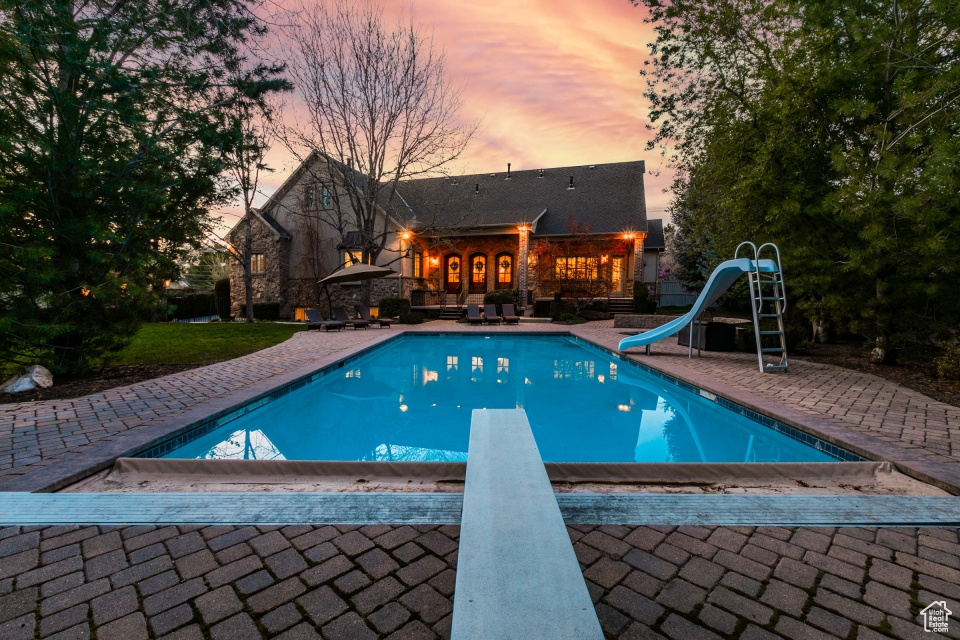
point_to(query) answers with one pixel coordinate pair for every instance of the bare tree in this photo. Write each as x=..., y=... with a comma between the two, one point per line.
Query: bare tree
x=246, y=160
x=379, y=110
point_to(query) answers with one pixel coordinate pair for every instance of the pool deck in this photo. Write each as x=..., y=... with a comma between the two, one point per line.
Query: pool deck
x=353, y=581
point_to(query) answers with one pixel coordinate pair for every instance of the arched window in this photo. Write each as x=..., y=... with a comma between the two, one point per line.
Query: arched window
x=478, y=273
x=504, y=271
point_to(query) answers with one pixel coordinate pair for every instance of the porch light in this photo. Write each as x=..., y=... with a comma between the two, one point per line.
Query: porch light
x=434, y=261
x=523, y=227
x=604, y=259
x=629, y=235
x=405, y=235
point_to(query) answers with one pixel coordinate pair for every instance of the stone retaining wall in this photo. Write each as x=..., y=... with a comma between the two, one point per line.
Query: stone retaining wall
x=651, y=321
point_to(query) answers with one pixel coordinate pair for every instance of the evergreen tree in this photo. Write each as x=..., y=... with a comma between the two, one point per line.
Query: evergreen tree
x=831, y=128
x=112, y=133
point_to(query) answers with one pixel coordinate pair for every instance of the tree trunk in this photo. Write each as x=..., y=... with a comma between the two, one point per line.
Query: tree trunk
x=247, y=273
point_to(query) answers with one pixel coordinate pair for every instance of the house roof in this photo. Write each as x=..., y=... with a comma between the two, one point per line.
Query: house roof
x=267, y=219
x=655, y=239
x=608, y=197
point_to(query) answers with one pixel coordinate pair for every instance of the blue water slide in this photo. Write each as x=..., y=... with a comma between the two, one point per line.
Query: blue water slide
x=720, y=280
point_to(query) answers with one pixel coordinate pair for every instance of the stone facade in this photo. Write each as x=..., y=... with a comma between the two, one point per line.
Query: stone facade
x=271, y=284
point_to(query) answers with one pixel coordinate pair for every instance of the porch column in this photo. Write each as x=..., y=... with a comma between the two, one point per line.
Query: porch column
x=522, y=252
x=638, y=256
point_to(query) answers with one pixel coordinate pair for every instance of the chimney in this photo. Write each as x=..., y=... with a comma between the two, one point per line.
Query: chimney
x=477, y=192
x=508, y=171
x=571, y=183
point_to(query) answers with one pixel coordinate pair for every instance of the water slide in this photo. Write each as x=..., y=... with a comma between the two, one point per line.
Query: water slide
x=720, y=280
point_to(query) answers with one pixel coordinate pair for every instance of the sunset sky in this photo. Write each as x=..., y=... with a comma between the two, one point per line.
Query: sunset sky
x=556, y=83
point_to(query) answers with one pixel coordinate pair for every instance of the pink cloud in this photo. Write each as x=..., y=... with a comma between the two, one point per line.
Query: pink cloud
x=556, y=82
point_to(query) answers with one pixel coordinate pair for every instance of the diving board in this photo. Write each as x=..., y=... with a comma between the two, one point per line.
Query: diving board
x=517, y=574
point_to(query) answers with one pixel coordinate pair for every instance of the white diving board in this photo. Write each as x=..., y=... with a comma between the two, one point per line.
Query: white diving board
x=517, y=574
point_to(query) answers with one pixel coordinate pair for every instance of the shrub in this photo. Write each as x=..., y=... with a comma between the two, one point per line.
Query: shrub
x=641, y=299
x=501, y=296
x=948, y=364
x=541, y=308
x=192, y=305
x=221, y=295
x=411, y=317
x=266, y=310
x=393, y=307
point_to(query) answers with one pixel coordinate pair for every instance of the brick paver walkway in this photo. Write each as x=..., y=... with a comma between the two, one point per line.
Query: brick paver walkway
x=340, y=582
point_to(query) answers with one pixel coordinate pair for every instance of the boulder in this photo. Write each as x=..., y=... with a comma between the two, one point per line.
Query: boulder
x=36, y=376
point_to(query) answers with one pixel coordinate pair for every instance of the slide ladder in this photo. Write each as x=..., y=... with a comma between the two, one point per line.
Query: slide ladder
x=769, y=300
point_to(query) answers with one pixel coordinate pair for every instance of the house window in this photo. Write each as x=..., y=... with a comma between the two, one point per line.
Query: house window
x=256, y=263
x=478, y=268
x=352, y=257
x=576, y=268
x=327, y=198
x=417, y=265
x=309, y=197
x=504, y=271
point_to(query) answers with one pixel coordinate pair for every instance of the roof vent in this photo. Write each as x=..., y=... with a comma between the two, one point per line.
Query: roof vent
x=571, y=183
x=541, y=174
x=508, y=171
x=477, y=192
x=593, y=166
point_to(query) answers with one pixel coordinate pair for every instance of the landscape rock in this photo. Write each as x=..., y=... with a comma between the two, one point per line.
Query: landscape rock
x=36, y=376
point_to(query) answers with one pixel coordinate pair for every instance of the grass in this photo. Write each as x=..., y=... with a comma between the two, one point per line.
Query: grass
x=674, y=311
x=177, y=343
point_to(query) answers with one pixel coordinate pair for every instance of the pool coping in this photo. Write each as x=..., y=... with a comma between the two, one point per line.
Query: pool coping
x=103, y=454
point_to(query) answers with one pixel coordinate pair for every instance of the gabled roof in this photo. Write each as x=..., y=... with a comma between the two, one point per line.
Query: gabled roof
x=607, y=197
x=655, y=239
x=269, y=221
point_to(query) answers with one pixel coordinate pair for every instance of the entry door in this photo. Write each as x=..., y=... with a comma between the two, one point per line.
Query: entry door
x=616, y=274
x=453, y=271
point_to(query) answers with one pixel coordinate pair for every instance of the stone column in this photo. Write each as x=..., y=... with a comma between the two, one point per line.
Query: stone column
x=522, y=252
x=638, y=257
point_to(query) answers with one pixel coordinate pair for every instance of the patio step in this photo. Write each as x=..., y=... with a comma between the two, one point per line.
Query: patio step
x=517, y=574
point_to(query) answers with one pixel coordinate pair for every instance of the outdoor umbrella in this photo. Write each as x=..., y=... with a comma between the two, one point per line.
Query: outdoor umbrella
x=353, y=273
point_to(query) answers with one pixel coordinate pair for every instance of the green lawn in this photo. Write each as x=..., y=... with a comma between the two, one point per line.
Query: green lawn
x=177, y=343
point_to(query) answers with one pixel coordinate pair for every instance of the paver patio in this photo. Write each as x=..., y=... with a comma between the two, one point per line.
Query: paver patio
x=381, y=581
x=339, y=582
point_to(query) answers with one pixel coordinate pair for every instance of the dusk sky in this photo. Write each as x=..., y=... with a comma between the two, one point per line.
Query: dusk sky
x=556, y=83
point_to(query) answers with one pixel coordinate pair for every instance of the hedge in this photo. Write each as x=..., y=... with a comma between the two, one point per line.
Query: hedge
x=266, y=310
x=393, y=307
x=221, y=294
x=192, y=305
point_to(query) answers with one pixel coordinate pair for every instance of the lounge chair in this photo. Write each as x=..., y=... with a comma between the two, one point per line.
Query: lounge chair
x=509, y=315
x=364, y=313
x=473, y=314
x=341, y=315
x=490, y=314
x=314, y=320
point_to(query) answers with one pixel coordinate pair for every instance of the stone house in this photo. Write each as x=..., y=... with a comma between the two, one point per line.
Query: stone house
x=573, y=231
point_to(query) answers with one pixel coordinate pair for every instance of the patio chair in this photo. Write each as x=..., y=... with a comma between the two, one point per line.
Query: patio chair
x=473, y=314
x=341, y=315
x=364, y=313
x=315, y=320
x=490, y=314
x=509, y=315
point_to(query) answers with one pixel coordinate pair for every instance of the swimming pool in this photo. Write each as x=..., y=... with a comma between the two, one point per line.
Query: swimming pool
x=411, y=400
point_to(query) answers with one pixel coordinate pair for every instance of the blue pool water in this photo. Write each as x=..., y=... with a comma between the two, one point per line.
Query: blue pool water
x=411, y=400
